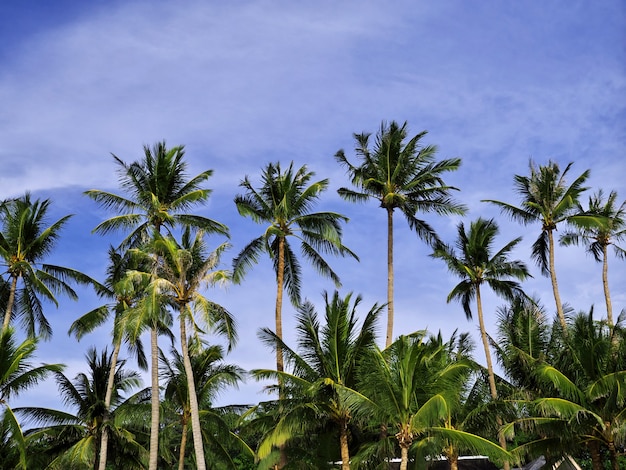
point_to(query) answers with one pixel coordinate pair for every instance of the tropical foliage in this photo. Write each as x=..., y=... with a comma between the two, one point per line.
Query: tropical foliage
x=337, y=398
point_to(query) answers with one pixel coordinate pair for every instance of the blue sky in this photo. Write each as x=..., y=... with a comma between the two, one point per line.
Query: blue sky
x=242, y=84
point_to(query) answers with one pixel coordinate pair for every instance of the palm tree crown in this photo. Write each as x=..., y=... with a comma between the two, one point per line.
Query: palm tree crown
x=158, y=193
x=400, y=175
x=284, y=201
x=547, y=199
x=599, y=226
x=25, y=241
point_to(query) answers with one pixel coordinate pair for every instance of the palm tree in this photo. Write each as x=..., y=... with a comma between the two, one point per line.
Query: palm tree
x=400, y=175
x=25, y=241
x=599, y=226
x=74, y=438
x=284, y=202
x=184, y=270
x=210, y=376
x=476, y=265
x=546, y=199
x=582, y=385
x=126, y=294
x=412, y=388
x=325, y=362
x=158, y=194
x=17, y=375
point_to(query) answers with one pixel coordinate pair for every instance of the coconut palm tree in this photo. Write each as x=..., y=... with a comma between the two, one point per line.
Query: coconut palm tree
x=184, y=270
x=600, y=225
x=125, y=295
x=325, y=361
x=283, y=202
x=73, y=439
x=400, y=175
x=17, y=374
x=211, y=376
x=158, y=194
x=412, y=388
x=25, y=242
x=547, y=199
x=582, y=399
x=476, y=264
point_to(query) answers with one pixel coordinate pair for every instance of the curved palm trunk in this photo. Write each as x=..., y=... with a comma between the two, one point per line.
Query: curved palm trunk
x=555, y=285
x=389, y=337
x=104, y=437
x=490, y=373
x=193, y=397
x=343, y=443
x=10, y=302
x=154, y=400
x=183, y=445
x=280, y=366
x=605, y=284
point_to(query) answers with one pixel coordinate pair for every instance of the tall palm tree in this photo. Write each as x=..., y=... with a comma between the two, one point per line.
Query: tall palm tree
x=400, y=175
x=211, y=376
x=600, y=225
x=184, y=270
x=17, y=375
x=74, y=438
x=283, y=202
x=412, y=387
x=546, y=199
x=125, y=295
x=158, y=195
x=325, y=361
x=476, y=265
x=25, y=242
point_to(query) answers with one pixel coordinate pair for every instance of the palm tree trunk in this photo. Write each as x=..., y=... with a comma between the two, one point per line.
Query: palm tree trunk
x=279, y=302
x=453, y=460
x=555, y=284
x=605, y=283
x=404, y=457
x=193, y=397
x=183, y=446
x=10, y=302
x=389, y=337
x=483, y=336
x=154, y=401
x=343, y=443
x=104, y=438
x=596, y=459
x=490, y=373
x=279, y=332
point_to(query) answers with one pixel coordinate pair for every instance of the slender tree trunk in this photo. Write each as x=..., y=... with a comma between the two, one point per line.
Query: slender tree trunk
x=555, y=284
x=193, y=397
x=104, y=438
x=605, y=283
x=490, y=373
x=485, y=340
x=343, y=443
x=155, y=400
x=183, y=445
x=10, y=302
x=389, y=337
x=280, y=276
